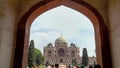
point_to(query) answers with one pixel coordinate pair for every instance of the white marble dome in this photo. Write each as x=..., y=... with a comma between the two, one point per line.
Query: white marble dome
x=60, y=40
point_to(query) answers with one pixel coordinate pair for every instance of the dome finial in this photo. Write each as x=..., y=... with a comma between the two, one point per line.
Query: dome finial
x=60, y=40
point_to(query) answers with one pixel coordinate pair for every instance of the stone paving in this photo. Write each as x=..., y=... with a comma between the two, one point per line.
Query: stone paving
x=61, y=66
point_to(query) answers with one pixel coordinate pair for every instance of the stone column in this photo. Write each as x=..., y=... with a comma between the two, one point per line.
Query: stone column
x=114, y=21
x=7, y=24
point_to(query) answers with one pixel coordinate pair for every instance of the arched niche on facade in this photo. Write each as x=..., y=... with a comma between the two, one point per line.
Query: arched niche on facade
x=101, y=31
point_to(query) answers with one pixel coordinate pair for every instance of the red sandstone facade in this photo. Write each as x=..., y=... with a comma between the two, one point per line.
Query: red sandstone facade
x=61, y=53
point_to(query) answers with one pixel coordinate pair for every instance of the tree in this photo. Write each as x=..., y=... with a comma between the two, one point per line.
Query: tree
x=85, y=57
x=38, y=52
x=31, y=55
x=42, y=59
x=38, y=60
x=94, y=63
x=38, y=57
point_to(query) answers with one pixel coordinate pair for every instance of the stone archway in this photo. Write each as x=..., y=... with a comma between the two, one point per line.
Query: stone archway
x=61, y=61
x=101, y=31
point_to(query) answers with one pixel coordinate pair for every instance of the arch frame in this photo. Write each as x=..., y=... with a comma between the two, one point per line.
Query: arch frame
x=101, y=30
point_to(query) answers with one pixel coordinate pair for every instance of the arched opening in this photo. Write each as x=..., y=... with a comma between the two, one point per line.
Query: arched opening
x=61, y=52
x=61, y=60
x=101, y=31
x=66, y=24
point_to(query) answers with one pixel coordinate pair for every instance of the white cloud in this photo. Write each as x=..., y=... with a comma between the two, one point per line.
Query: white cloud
x=74, y=26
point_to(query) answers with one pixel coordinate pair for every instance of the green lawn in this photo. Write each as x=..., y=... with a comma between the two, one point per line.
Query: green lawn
x=41, y=66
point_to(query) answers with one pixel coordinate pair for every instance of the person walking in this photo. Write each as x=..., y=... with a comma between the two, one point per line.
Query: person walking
x=82, y=67
x=97, y=66
x=90, y=67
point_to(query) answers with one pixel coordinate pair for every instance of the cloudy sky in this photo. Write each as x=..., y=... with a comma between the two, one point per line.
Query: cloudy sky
x=74, y=27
